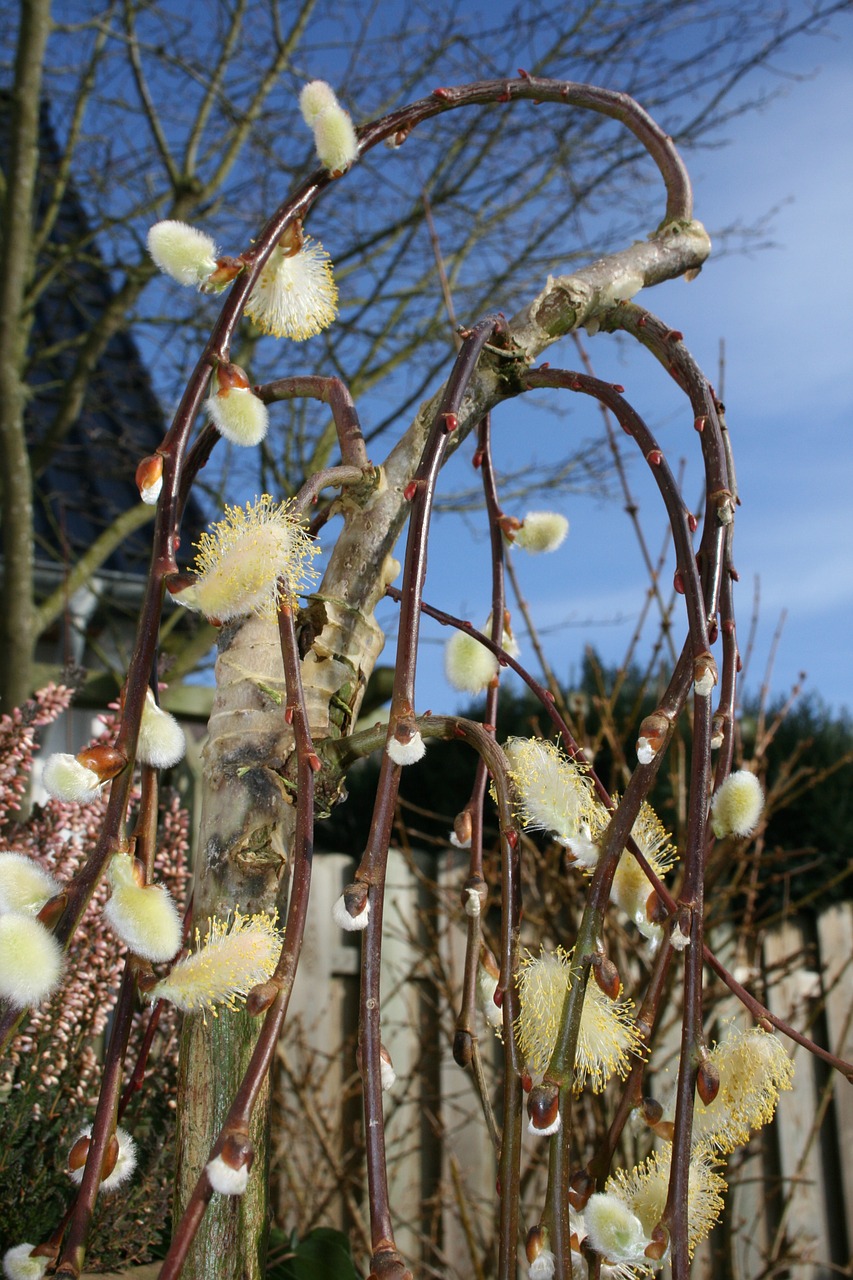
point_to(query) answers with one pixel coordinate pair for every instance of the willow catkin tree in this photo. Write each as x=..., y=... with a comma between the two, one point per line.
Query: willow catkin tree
x=289, y=684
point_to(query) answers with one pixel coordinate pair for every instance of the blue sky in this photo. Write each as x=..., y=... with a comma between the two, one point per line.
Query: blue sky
x=783, y=314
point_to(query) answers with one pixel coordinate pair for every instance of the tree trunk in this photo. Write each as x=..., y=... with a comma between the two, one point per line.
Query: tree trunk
x=17, y=622
x=244, y=846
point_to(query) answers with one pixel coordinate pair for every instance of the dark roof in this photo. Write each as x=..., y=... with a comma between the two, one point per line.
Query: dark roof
x=88, y=478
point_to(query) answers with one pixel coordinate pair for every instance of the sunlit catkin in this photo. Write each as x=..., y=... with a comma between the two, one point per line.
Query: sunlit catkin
x=249, y=561
x=607, y=1033
x=235, y=956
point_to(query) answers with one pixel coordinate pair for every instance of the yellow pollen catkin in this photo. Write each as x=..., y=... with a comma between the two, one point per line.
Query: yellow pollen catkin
x=608, y=1034
x=754, y=1069
x=552, y=792
x=644, y=1192
x=295, y=295
x=250, y=560
x=235, y=956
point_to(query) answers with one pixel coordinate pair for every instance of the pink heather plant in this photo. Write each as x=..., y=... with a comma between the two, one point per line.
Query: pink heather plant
x=52, y=1074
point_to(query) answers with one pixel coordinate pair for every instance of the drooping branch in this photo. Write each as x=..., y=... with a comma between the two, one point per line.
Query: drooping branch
x=401, y=748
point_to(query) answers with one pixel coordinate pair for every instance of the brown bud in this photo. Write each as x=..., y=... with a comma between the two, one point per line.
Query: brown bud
x=293, y=238
x=105, y=761
x=685, y=921
x=488, y=961
x=463, y=1048
x=718, y=729
x=52, y=910
x=399, y=137
x=110, y=1157
x=477, y=885
x=237, y=1151
x=707, y=1081
x=228, y=376
x=462, y=827
x=79, y=1152
x=659, y=1243
x=656, y=909
x=386, y=1263
x=178, y=582
x=664, y=1130
x=227, y=269
x=724, y=503
x=651, y=1111
x=46, y=1250
x=581, y=1187
x=149, y=474
x=655, y=729
x=705, y=674
x=607, y=976
x=405, y=730
x=385, y=1056
x=138, y=868
x=509, y=526
x=355, y=897
x=261, y=997
x=537, y=1240
x=146, y=978
x=543, y=1107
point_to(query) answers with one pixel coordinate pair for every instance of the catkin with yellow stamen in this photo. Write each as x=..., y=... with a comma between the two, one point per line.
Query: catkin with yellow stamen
x=249, y=561
x=644, y=1191
x=295, y=295
x=235, y=956
x=554, y=794
x=754, y=1068
x=607, y=1036
x=631, y=888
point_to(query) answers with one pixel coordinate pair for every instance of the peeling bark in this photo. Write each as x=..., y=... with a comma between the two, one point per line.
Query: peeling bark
x=245, y=839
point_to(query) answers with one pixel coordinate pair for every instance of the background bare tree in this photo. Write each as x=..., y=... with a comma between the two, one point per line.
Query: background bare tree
x=198, y=99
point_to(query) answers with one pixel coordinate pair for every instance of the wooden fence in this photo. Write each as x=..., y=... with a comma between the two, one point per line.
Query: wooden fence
x=790, y=1201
